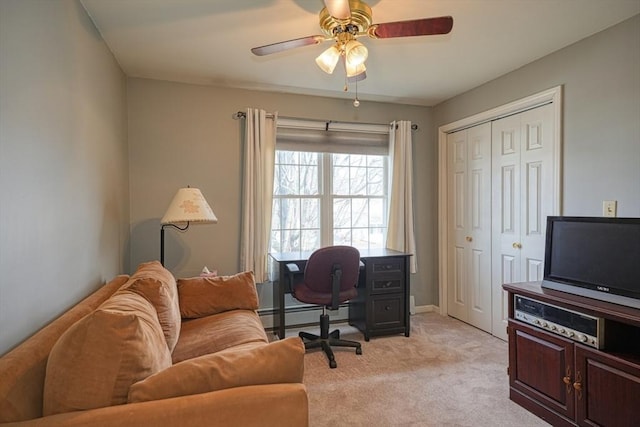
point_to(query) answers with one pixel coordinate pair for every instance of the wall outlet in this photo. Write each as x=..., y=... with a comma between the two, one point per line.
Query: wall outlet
x=610, y=208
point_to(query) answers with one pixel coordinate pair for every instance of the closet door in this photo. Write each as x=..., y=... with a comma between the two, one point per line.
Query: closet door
x=522, y=192
x=469, y=205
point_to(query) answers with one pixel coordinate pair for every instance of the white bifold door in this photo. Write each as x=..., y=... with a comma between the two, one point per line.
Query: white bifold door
x=523, y=187
x=500, y=189
x=469, y=201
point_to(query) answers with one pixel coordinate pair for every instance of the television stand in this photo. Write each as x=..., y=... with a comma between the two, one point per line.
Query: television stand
x=568, y=383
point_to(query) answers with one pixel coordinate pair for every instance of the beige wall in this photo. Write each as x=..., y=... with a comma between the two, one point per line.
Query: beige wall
x=64, y=210
x=600, y=76
x=182, y=134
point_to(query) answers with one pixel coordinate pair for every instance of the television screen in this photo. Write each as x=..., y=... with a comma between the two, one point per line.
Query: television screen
x=599, y=255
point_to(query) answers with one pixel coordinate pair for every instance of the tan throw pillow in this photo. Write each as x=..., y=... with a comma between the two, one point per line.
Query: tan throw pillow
x=203, y=296
x=96, y=360
x=158, y=286
x=275, y=363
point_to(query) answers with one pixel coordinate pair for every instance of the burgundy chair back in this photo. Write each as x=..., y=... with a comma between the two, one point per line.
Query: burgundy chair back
x=318, y=280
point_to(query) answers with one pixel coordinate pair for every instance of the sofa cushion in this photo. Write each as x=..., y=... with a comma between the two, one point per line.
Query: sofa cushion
x=218, y=332
x=96, y=360
x=203, y=296
x=158, y=286
x=278, y=362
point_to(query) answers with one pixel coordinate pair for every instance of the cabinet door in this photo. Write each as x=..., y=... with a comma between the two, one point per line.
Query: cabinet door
x=541, y=368
x=607, y=389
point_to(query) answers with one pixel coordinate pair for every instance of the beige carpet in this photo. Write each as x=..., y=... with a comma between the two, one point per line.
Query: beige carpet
x=446, y=373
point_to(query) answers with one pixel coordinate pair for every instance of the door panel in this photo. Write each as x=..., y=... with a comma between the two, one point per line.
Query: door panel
x=469, y=201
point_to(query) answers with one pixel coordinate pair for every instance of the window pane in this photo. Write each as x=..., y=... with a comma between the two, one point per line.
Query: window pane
x=340, y=180
x=287, y=157
x=360, y=238
x=290, y=241
x=275, y=215
x=376, y=238
x=358, y=181
x=376, y=213
x=290, y=212
x=308, y=158
x=341, y=159
x=342, y=236
x=308, y=180
x=375, y=161
x=276, y=244
x=310, y=213
x=359, y=213
x=341, y=213
x=375, y=184
x=288, y=179
x=358, y=160
x=310, y=240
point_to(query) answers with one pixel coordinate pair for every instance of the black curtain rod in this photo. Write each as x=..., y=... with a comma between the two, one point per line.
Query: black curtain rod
x=242, y=115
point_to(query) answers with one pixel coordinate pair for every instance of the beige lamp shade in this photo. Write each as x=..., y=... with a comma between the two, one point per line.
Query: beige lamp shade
x=189, y=205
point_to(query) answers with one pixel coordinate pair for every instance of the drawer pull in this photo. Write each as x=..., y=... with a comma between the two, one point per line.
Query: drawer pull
x=578, y=385
x=567, y=380
x=387, y=308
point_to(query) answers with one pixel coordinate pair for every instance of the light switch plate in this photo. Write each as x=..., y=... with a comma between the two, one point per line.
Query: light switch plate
x=610, y=208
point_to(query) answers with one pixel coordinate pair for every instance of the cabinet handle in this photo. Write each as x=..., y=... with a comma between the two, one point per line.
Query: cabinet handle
x=567, y=380
x=387, y=308
x=517, y=245
x=469, y=239
x=578, y=385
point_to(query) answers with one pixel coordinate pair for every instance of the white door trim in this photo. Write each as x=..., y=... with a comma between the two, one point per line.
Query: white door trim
x=554, y=96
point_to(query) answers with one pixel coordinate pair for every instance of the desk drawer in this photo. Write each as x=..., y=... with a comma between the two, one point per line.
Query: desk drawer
x=387, y=265
x=387, y=312
x=387, y=283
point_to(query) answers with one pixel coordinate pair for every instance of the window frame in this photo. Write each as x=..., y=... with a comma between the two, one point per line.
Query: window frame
x=327, y=199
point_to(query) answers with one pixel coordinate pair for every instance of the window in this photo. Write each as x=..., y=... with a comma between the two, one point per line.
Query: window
x=322, y=199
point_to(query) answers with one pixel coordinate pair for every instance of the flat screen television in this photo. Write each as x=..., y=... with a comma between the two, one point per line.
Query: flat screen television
x=596, y=257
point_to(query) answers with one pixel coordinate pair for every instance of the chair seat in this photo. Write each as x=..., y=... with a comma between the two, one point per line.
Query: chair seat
x=304, y=293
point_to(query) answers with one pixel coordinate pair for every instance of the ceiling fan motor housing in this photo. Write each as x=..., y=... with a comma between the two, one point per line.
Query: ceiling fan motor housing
x=358, y=22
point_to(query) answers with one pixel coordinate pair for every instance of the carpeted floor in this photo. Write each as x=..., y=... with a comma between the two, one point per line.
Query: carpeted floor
x=446, y=373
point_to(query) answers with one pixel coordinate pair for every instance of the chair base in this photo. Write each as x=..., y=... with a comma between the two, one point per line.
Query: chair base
x=326, y=340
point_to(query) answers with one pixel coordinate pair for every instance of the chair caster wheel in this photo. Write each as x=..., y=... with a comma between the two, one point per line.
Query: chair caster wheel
x=333, y=364
x=358, y=350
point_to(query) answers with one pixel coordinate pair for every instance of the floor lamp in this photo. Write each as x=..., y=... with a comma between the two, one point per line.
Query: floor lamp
x=187, y=206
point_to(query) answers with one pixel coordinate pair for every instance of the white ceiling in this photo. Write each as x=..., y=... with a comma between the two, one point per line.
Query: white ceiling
x=209, y=42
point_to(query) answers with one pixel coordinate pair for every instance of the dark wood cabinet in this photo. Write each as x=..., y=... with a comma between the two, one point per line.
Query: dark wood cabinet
x=382, y=305
x=568, y=383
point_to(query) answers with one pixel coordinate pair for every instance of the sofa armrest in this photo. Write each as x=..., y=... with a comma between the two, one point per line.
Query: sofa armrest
x=261, y=405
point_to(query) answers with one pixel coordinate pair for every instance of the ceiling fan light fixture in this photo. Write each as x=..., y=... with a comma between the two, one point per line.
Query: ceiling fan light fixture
x=354, y=71
x=328, y=59
x=356, y=52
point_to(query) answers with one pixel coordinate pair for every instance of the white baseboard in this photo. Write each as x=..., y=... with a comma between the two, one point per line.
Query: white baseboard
x=427, y=309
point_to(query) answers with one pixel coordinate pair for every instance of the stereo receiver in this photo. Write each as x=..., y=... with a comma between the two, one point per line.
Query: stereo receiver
x=585, y=329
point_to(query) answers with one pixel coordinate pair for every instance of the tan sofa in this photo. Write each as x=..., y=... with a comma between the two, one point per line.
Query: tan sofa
x=146, y=350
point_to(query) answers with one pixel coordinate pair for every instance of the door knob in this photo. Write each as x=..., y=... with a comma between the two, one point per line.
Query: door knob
x=469, y=239
x=517, y=245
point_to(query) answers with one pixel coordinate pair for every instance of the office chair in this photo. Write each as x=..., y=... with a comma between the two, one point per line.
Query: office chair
x=330, y=278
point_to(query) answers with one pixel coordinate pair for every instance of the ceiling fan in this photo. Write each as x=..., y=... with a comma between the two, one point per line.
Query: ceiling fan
x=344, y=21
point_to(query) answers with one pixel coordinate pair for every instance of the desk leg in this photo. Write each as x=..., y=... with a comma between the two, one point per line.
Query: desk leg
x=278, y=302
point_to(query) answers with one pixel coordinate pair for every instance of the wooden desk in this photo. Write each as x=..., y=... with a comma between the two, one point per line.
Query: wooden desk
x=382, y=304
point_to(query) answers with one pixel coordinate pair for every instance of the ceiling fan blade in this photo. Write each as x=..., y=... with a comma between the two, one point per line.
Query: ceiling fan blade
x=286, y=45
x=416, y=27
x=339, y=9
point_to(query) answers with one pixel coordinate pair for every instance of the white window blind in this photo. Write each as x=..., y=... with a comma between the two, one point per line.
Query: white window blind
x=332, y=137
